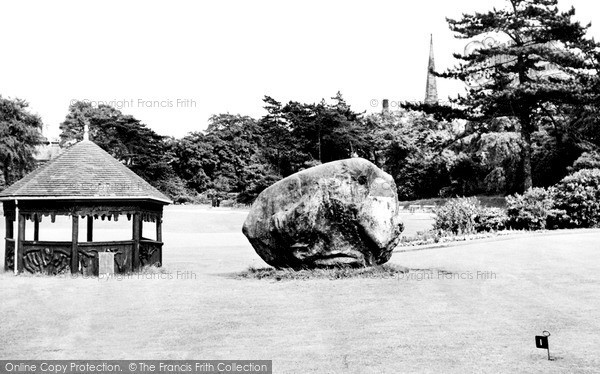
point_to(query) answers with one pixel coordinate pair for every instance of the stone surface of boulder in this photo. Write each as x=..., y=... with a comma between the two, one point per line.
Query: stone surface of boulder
x=340, y=213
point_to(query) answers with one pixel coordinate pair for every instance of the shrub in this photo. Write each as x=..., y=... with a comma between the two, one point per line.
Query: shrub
x=467, y=216
x=491, y=219
x=587, y=160
x=457, y=215
x=578, y=195
x=175, y=189
x=534, y=210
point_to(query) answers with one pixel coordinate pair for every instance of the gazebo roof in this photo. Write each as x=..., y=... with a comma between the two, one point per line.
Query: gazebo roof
x=83, y=172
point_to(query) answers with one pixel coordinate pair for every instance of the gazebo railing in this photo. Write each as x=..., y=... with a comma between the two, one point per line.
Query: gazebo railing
x=9, y=254
x=150, y=252
x=88, y=256
x=46, y=257
x=50, y=257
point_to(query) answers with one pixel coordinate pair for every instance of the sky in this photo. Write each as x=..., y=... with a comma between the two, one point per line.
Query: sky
x=173, y=64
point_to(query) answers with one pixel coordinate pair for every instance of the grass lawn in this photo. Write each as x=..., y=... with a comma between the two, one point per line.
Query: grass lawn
x=442, y=316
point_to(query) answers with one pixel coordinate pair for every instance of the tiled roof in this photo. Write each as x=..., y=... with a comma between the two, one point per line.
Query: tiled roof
x=83, y=171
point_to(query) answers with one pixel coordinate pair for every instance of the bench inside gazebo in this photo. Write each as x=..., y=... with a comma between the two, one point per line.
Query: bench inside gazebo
x=84, y=182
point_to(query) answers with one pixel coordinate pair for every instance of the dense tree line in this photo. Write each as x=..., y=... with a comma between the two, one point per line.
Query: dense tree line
x=241, y=155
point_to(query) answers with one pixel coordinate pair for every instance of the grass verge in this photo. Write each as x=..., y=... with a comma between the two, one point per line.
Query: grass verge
x=376, y=272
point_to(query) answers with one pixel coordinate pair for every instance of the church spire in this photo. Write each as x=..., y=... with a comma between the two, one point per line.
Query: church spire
x=431, y=89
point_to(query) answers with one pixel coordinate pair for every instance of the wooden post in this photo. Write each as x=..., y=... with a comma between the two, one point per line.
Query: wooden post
x=9, y=235
x=9, y=228
x=20, y=238
x=90, y=228
x=74, y=245
x=159, y=228
x=136, y=241
x=36, y=228
x=159, y=236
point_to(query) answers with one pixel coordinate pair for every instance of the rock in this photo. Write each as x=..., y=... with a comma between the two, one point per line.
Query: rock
x=339, y=213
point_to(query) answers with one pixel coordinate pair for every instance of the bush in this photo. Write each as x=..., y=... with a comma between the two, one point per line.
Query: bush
x=175, y=189
x=534, y=210
x=587, y=160
x=578, y=195
x=457, y=216
x=467, y=216
x=491, y=219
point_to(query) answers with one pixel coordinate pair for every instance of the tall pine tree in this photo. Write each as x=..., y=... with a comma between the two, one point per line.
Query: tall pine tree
x=543, y=65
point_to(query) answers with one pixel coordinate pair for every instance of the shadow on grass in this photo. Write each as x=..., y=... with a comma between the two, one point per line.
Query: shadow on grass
x=377, y=272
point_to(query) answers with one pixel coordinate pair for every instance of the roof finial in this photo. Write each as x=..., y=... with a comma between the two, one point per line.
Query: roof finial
x=86, y=131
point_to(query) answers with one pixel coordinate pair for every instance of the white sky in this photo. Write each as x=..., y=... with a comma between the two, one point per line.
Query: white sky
x=226, y=55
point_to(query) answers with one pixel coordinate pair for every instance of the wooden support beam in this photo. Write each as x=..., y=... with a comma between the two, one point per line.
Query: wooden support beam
x=9, y=235
x=20, y=239
x=159, y=236
x=137, y=226
x=74, y=245
x=159, y=229
x=36, y=228
x=90, y=228
x=9, y=228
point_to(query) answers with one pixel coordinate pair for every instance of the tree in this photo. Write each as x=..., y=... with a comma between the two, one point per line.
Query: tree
x=20, y=133
x=280, y=148
x=235, y=140
x=347, y=135
x=300, y=135
x=328, y=132
x=195, y=161
x=412, y=152
x=498, y=153
x=542, y=68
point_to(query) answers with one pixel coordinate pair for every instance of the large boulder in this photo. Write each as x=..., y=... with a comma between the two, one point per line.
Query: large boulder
x=340, y=213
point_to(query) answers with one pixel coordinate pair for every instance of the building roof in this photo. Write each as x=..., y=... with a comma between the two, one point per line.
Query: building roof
x=83, y=172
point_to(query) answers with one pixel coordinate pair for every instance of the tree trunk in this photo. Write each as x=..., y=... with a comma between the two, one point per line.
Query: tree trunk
x=279, y=161
x=525, y=122
x=5, y=172
x=320, y=159
x=526, y=153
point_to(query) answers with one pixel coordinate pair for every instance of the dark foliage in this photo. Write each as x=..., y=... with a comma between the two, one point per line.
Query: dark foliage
x=578, y=195
x=19, y=135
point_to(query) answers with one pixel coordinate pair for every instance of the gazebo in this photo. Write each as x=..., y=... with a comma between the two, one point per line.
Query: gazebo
x=87, y=182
